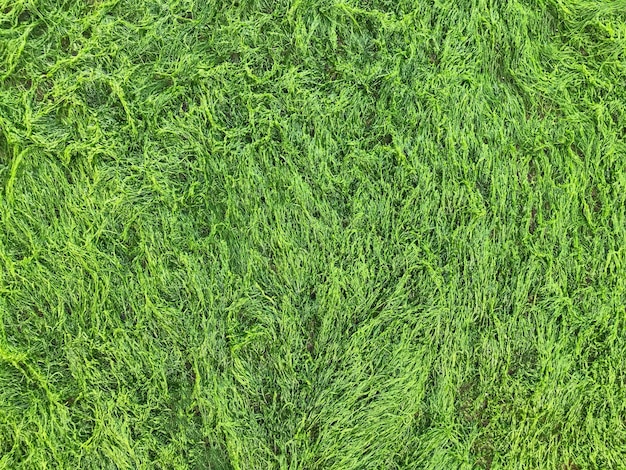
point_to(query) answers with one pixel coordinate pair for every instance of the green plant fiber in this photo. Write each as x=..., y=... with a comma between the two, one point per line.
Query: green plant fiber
x=313, y=234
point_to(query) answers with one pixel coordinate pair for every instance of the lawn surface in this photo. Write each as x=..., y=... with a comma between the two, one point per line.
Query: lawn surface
x=306, y=234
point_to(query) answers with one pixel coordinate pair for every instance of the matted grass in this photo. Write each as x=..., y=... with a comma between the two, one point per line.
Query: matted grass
x=313, y=234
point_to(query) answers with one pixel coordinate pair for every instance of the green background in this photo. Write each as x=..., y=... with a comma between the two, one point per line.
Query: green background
x=312, y=234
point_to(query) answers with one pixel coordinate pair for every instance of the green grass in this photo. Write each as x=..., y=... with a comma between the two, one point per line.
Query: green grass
x=313, y=234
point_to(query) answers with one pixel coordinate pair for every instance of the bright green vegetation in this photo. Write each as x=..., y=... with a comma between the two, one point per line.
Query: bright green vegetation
x=313, y=234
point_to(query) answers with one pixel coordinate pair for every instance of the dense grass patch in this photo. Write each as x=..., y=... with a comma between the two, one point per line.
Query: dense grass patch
x=313, y=234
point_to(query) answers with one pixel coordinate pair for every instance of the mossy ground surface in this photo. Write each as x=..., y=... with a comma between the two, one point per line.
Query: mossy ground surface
x=313, y=234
